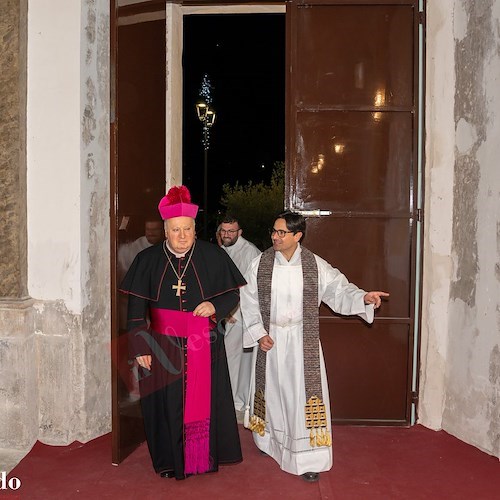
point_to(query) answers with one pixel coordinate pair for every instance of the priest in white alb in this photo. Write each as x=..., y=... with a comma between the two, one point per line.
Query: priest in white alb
x=289, y=412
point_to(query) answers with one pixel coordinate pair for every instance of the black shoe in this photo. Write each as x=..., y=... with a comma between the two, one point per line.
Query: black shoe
x=167, y=473
x=311, y=477
x=184, y=476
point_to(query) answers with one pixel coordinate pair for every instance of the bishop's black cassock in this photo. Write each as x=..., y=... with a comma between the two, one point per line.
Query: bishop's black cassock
x=209, y=275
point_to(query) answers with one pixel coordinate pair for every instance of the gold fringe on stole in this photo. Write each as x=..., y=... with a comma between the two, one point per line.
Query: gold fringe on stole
x=257, y=425
x=316, y=422
x=258, y=419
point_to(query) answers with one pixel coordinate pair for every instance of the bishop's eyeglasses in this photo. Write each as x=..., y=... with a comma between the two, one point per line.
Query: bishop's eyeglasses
x=280, y=232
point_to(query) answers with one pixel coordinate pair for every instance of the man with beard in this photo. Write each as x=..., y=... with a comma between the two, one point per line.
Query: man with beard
x=239, y=360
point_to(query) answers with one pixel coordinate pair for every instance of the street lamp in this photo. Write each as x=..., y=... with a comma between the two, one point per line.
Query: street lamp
x=207, y=119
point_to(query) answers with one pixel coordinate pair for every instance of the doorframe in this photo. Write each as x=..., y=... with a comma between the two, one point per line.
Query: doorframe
x=420, y=191
x=175, y=11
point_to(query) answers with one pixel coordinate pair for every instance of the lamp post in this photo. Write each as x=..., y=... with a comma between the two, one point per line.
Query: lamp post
x=207, y=119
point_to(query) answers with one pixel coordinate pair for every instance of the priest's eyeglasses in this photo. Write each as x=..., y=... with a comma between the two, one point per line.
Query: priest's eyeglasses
x=228, y=231
x=280, y=232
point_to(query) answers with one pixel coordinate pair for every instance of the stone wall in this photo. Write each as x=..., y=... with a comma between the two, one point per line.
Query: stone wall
x=18, y=367
x=72, y=318
x=13, y=283
x=472, y=402
x=95, y=209
x=55, y=368
x=460, y=360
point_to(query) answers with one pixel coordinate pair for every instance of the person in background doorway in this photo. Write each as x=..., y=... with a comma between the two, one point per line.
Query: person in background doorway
x=290, y=416
x=153, y=234
x=239, y=360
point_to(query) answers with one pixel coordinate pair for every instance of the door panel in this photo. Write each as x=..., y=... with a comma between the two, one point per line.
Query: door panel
x=363, y=382
x=351, y=150
x=372, y=252
x=360, y=55
x=352, y=161
x=138, y=161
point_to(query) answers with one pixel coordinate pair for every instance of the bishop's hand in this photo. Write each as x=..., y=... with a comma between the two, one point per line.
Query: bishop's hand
x=144, y=361
x=205, y=310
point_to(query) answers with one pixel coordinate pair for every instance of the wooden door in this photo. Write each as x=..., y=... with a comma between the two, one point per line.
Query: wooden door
x=352, y=123
x=137, y=180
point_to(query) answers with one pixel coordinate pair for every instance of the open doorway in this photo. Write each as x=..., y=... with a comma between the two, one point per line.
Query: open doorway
x=352, y=139
x=235, y=63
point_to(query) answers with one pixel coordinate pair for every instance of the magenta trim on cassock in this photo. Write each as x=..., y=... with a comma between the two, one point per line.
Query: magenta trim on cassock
x=198, y=387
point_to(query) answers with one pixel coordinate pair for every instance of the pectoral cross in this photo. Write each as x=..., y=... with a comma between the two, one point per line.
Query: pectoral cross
x=179, y=287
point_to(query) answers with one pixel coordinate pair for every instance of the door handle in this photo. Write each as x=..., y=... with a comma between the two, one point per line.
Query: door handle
x=317, y=212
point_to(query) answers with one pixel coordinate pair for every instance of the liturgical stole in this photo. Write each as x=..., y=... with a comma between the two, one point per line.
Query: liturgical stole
x=315, y=409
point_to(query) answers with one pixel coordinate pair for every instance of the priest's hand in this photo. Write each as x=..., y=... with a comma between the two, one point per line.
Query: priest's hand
x=375, y=298
x=144, y=361
x=205, y=309
x=266, y=343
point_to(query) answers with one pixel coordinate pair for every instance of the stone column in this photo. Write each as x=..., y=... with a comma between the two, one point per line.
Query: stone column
x=13, y=149
x=18, y=390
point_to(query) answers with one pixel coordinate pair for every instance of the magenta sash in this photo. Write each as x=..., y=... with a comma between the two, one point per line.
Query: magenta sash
x=198, y=382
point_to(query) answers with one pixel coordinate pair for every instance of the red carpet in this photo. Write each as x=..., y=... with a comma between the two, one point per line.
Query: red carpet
x=370, y=463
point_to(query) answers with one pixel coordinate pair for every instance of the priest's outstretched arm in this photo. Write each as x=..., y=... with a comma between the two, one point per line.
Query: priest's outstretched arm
x=344, y=297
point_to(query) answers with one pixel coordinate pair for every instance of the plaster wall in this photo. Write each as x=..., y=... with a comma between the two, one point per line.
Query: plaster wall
x=472, y=404
x=53, y=151
x=438, y=209
x=461, y=321
x=18, y=372
x=68, y=221
x=94, y=220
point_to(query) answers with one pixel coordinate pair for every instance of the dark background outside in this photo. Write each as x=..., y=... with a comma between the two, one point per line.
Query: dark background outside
x=244, y=58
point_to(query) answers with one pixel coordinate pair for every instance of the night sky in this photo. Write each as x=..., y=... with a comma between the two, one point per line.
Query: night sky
x=244, y=57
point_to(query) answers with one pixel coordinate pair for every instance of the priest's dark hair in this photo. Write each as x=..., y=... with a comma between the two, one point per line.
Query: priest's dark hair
x=294, y=222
